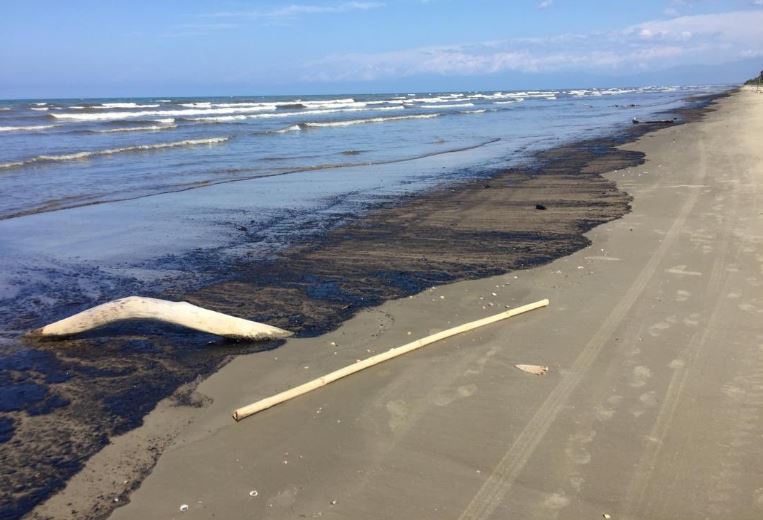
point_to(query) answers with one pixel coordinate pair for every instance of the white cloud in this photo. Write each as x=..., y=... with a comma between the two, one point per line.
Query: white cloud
x=706, y=39
x=545, y=4
x=234, y=19
x=293, y=10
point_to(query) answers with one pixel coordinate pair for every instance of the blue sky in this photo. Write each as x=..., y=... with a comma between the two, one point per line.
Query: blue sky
x=192, y=47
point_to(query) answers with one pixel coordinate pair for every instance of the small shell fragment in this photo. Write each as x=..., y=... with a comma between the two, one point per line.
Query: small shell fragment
x=538, y=370
x=184, y=508
x=253, y=493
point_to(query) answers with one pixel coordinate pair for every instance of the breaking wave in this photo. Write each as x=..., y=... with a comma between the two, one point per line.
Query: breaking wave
x=366, y=121
x=115, y=116
x=111, y=151
x=151, y=128
x=123, y=105
x=462, y=105
x=31, y=128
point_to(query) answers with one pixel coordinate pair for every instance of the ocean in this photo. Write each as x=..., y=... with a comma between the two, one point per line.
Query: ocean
x=103, y=198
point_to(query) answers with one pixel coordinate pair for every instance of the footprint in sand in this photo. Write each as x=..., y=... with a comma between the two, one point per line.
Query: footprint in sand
x=285, y=498
x=682, y=296
x=577, y=481
x=602, y=413
x=646, y=400
x=658, y=327
x=748, y=307
x=481, y=362
x=758, y=498
x=577, y=447
x=460, y=393
x=398, y=411
x=733, y=392
x=682, y=270
x=640, y=376
x=556, y=501
x=649, y=399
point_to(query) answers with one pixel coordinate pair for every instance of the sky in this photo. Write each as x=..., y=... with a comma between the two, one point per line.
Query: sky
x=120, y=48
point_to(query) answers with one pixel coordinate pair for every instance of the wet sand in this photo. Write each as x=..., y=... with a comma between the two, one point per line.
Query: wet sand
x=65, y=400
x=427, y=435
x=651, y=408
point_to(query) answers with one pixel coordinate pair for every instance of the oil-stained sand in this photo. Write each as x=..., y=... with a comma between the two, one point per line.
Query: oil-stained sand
x=651, y=408
x=85, y=391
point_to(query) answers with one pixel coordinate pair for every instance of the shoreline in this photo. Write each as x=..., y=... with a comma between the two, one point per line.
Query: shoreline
x=648, y=411
x=591, y=155
x=319, y=282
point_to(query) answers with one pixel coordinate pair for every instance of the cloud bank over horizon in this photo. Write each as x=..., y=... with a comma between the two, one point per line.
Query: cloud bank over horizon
x=697, y=39
x=323, y=46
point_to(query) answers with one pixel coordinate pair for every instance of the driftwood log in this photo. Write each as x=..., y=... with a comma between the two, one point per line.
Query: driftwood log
x=266, y=403
x=177, y=313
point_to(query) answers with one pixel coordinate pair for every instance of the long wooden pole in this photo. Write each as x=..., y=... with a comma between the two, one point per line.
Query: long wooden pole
x=268, y=402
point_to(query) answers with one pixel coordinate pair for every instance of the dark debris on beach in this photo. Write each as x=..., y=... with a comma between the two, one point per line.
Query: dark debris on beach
x=61, y=402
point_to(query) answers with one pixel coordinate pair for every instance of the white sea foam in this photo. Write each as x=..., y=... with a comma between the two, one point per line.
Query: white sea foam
x=123, y=105
x=31, y=128
x=39, y=109
x=261, y=106
x=292, y=128
x=436, y=99
x=115, y=116
x=166, y=121
x=462, y=105
x=111, y=151
x=368, y=120
x=391, y=101
x=332, y=103
x=280, y=115
x=137, y=129
x=479, y=111
x=617, y=91
x=164, y=101
x=219, y=119
x=11, y=164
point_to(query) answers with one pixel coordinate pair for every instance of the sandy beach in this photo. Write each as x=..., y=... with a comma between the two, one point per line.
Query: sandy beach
x=650, y=408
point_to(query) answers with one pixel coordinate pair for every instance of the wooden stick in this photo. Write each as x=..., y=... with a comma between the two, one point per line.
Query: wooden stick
x=263, y=404
x=179, y=313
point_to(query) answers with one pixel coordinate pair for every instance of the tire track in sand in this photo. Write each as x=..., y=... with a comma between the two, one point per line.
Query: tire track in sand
x=683, y=365
x=502, y=478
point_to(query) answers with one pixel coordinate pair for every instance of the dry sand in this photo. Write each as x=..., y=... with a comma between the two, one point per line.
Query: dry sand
x=651, y=408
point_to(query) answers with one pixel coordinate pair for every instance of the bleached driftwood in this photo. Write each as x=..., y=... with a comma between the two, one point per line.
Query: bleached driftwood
x=263, y=404
x=178, y=313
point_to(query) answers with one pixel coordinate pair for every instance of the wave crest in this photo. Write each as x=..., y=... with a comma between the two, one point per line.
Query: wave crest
x=95, y=153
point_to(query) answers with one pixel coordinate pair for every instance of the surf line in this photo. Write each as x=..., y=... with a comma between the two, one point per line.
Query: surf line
x=49, y=207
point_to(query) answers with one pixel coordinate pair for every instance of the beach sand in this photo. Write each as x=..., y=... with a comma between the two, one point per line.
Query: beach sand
x=651, y=408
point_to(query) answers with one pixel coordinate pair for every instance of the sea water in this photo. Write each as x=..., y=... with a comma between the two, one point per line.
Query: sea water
x=124, y=180
x=102, y=198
